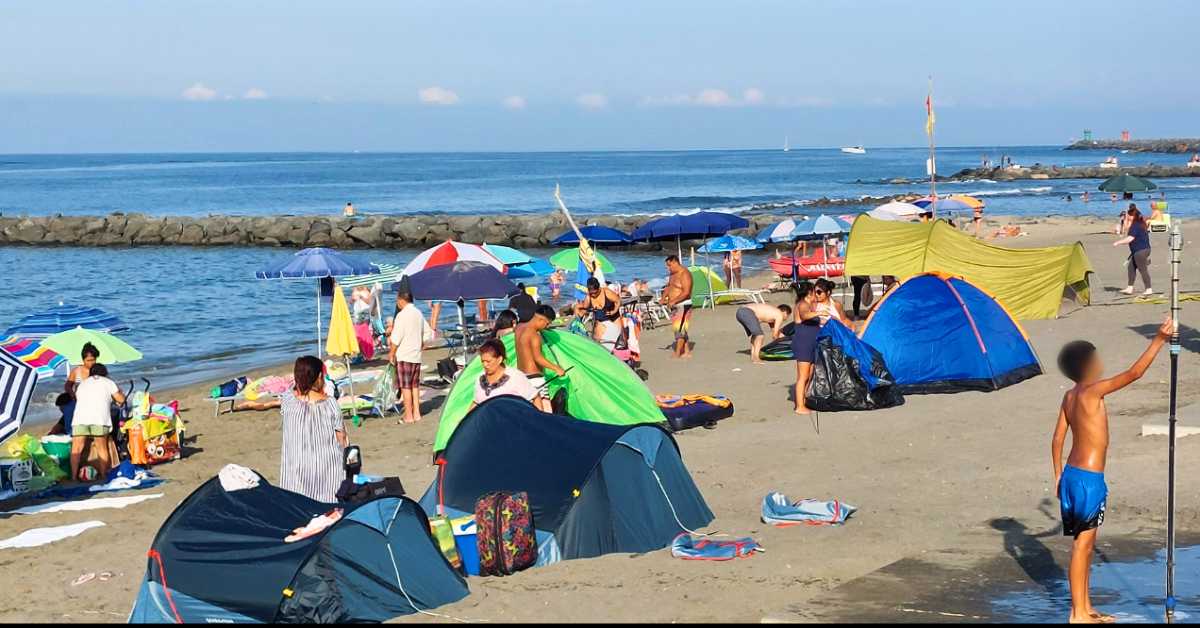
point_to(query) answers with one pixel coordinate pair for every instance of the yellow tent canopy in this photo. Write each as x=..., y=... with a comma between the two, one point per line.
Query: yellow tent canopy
x=1029, y=282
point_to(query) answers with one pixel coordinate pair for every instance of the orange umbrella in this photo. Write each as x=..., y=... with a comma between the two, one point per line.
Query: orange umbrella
x=969, y=200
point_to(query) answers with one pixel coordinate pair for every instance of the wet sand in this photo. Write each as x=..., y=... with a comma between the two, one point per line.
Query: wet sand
x=944, y=483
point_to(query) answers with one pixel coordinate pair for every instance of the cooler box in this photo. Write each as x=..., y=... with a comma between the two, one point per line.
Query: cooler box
x=15, y=475
x=59, y=446
x=465, y=542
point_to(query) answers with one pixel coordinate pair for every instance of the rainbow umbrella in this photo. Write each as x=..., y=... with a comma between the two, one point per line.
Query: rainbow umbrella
x=32, y=352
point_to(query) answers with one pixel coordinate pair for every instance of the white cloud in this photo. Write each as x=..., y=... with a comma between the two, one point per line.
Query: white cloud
x=713, y=98
x=255, y=93
x=199, y=91
x=592, y=101
x=437, y=96
x=753, y=96
x=514, y=102
x=708, y=97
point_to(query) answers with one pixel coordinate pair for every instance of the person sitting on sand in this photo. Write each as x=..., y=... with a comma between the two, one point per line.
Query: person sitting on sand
x=530, y=359
x=314, y=435
x=751, y=318
x=1007, y=231
x=1080, y=486
x=804, y=340
x=677, y=296
x=91, y=424
x=498, y=379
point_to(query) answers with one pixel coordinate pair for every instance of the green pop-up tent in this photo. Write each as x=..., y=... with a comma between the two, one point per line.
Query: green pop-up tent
x=600, y=388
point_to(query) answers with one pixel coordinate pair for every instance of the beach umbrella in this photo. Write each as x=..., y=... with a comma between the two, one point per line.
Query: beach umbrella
x=70, y=343
x=450, y=252
x=342, y=342
x=17, y=380
x=778, y=232
x=1124, y=183
x=388, y=273
x=727, y=243
x=460, y=282
x=688, y=226
x=536, y=268
x=971, y=201
x=317, y=263
x=819, y=227
x=63, y=317
x=596, y=234
x=569, y=260
x=943, y=204
x=33, y=353
x=507, y=254
x=896, y=210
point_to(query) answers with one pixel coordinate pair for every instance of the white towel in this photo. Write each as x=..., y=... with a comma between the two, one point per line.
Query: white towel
x=235, y=477
x=44, y=536
x=95, y=503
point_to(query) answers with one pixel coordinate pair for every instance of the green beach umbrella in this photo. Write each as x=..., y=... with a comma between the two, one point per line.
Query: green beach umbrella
x=70, y=343
x=569, y=260
x=1127, y=183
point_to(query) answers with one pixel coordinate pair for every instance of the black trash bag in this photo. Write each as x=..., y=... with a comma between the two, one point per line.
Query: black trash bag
x=849, y=374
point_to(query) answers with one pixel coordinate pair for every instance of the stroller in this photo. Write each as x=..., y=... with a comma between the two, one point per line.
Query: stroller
x=151, y=433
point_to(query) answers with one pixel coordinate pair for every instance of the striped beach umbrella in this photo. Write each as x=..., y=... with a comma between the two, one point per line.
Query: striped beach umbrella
x=778, y=232
x=450, y=252
x=17, y=380
x=63, y=317
x=388, y=274
x=34, y=354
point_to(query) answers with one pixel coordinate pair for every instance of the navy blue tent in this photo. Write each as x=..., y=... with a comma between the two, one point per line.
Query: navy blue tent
x=942, y=334
x=221, y=557
x=848, y=374
x=593, y=488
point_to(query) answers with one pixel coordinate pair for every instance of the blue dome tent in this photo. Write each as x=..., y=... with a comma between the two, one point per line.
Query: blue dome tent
x=221, y=558
x=943, y=334
x=593, y=488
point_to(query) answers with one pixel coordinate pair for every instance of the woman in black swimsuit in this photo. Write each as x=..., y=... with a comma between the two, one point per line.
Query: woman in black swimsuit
x=804, y=340
x=608, y=309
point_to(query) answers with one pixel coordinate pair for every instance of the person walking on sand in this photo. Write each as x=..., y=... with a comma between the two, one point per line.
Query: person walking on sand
x=1080, y=486
x=314, y=435
x=1138, y=238
x=677, y=296
x=530, y=359
x=751, y=318
x=804, y=340
x=406, y=341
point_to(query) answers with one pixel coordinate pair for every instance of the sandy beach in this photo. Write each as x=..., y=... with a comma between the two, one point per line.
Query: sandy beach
x=959, y=485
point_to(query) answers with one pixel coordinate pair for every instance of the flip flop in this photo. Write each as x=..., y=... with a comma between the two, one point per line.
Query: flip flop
x=83, y=579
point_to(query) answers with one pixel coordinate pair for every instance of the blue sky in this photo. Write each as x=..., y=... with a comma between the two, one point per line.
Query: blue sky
x=565, y=75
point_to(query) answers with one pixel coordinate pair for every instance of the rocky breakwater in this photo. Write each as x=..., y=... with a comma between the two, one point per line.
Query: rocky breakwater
x=1037, y=171
x=1168, y=145
x=366, y=232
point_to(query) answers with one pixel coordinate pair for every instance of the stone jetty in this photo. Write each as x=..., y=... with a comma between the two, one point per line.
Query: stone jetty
x=1170, y=145
x=1037, y=171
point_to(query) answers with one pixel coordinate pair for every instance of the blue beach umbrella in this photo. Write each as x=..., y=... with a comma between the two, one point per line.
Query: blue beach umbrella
x=688, y=226
x=727, y=243
x=595, y=234
x=778, y=232
x=17, y=380
x=64, y=317
x=317, y=263
x=944, y=204
x=536, y=268
x=819, y=227
x=508, y=255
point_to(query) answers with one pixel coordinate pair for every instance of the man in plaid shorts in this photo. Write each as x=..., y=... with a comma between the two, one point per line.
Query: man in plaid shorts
x=406, y=342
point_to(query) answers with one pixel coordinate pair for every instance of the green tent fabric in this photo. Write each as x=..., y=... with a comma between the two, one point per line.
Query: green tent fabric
x=600, y=388
x=700, y=285
x=1030, y=283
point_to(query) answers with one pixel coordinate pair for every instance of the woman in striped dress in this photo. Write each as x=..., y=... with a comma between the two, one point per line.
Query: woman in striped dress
x=314, y=435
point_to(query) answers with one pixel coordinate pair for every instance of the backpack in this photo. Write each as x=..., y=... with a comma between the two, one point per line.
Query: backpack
x=504, y=533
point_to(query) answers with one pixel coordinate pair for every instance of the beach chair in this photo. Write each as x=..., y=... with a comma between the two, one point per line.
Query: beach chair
x=739, y=295
x=381, y=400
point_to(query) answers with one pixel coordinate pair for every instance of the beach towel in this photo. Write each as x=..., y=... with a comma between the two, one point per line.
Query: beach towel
x=45, y=536
x=125, y=477
x=95, y=503
x=778, y=511
x=689, y=547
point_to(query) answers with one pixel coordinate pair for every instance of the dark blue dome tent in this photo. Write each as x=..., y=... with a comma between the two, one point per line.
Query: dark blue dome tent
x=942, y=334
x=221, y=558
x=593, y=488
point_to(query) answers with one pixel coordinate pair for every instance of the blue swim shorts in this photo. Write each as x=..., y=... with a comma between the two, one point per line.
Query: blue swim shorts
x=1082, y=497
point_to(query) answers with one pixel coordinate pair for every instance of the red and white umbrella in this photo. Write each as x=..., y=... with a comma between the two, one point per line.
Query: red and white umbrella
x=450, y=252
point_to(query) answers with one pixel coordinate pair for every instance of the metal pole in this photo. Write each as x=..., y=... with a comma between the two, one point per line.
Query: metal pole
x=318, y=318
x=1176, y=247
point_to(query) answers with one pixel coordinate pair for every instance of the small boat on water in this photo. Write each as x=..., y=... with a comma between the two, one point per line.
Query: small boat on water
x=786, y=145
x=854, y=150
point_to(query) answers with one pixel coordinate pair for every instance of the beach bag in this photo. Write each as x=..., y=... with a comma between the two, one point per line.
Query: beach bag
x=504, y=533
x=230, y=388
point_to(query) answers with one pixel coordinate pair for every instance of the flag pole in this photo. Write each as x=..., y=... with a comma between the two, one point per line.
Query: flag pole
x=929, y=123
x=1176, y=241
x=587, y=257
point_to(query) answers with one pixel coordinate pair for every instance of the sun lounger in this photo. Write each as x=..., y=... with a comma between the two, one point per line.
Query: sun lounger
x=740, y=295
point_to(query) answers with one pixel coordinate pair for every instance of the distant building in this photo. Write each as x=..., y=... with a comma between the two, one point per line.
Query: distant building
x=1125, y=135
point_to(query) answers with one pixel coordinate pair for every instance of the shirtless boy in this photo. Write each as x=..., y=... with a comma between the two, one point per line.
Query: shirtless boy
x=530, y=359
x=751, y=318
x=678, y=297
x=1082, y=493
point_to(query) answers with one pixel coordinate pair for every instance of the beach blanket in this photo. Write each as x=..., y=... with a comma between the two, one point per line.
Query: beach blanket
x=778, y=511
x=45, y=536
x=125, y=477
x=95, y=503
x=689, y=547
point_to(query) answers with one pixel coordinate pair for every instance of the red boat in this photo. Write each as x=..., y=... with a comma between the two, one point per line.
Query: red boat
x=810, y=267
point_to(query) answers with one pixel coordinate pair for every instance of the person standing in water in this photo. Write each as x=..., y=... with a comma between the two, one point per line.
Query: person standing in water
x=1080, y=486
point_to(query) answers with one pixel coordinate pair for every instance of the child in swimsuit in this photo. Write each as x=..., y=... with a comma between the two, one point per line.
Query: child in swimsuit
x=1082, y=492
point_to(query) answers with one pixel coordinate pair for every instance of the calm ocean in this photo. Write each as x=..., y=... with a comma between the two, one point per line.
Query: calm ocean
x=199, y=313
